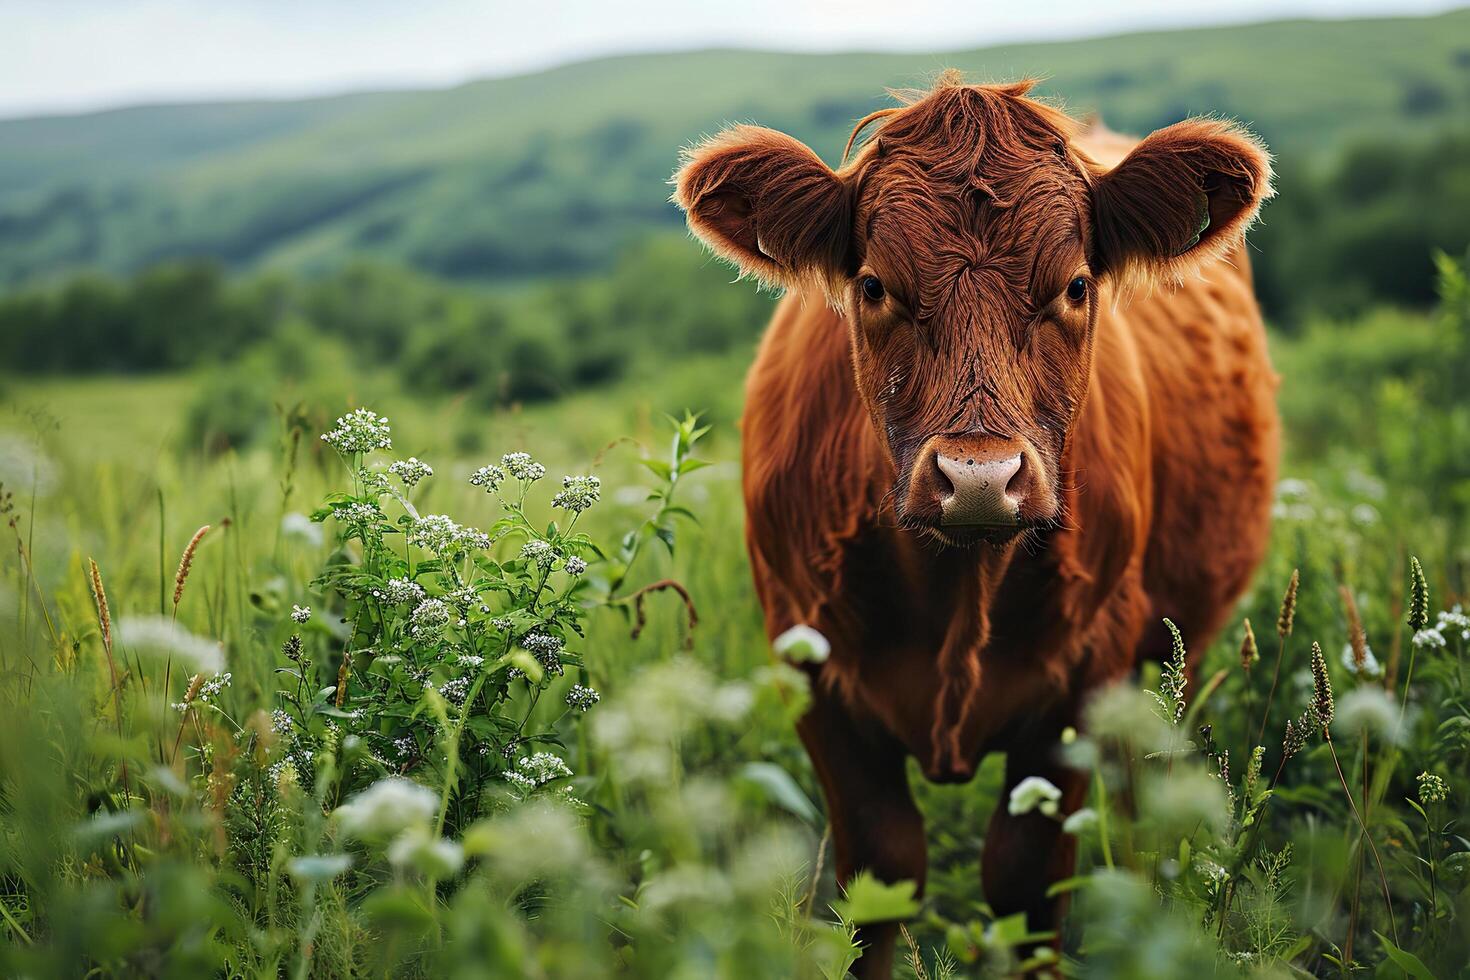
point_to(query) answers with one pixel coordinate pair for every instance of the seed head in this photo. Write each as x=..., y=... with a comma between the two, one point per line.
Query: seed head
x=1287, y=616
x=104, y=615
x=1250, y=655
x=1357, y=639
x=1322, y=704
x=186, y=564
x=1418, y=596
x=1295, y=737
x=1432, y=788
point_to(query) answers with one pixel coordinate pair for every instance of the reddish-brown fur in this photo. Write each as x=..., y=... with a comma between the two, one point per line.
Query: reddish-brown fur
x=1145, y=414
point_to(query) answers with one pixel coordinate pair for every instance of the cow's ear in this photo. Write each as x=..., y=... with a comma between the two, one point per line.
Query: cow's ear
x=1183, y=196
x=765, y=202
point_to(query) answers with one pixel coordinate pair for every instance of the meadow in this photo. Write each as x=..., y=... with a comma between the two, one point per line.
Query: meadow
x=374, y=597
x=185, y=791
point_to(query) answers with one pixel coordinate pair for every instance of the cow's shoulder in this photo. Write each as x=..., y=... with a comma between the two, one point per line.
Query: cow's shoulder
x=811, y=464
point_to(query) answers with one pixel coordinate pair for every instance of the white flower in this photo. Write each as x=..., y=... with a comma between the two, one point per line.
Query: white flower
x=522, y=466
x=359, y=515
x=581, y=698
x=490, y=477
x=1080, y=822
x=575, y=566
x=1034, y=793
x=433, y=856
x=441, y=535
x=429, y=618
x=161, y=635
x=578, y=493
x=802, y=644
x=455, y=689
x=300, y=614
x=212, y=688
x=411, y=471
x=296, y=525
x=1452, y=620
x=280, y=722
x=546, y=648
x=400, y=591
x=361, y=431
x=1429, y=639
x=386, y=808
x=537, y=770
x=1367, y=709
x=539, y=553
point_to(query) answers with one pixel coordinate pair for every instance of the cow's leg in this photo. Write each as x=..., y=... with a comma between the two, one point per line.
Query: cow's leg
x=1025, y=854
x=875, y=824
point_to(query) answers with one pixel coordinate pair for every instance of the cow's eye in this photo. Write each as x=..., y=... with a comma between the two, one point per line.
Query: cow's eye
x=872, y=289
x=1077, y=290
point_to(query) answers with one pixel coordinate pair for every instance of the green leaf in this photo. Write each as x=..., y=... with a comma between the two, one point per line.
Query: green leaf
x=870, y=900
x=778, y=786
x=1068, y=885
x=1412, y=965
x=657, y=467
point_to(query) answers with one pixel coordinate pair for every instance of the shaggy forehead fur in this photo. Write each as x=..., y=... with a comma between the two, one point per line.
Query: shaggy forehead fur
x=971, y=182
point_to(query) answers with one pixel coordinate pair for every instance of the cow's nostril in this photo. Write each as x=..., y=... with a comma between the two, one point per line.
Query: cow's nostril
x=1019, y=483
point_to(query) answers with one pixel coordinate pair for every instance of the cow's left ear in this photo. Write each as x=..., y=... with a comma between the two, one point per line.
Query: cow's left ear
x=1183, y=196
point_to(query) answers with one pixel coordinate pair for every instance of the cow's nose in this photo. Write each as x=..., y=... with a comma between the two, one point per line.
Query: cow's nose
x=982, y=490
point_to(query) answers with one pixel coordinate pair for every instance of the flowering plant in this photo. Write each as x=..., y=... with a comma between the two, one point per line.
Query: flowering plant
x=452, y=635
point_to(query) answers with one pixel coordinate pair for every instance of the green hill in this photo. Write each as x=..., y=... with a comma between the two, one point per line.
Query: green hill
x=551, y=173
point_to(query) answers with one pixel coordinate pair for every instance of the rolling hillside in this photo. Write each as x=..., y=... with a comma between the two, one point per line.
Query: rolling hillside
x=550, y=173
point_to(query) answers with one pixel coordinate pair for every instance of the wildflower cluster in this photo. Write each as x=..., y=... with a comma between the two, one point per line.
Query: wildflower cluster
x=451, y=641
x=411, y=471
x=490, y=477
x=578, y=493
x=360, y=431
x=534, y=771
x=522, y=467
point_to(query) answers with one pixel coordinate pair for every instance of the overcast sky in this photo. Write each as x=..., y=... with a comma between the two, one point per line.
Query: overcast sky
x=73, y=55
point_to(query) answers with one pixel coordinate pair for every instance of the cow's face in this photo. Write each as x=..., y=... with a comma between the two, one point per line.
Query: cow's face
x=969, y=246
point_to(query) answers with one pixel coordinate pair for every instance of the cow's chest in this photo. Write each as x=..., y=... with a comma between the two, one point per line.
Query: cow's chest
x=894, y=619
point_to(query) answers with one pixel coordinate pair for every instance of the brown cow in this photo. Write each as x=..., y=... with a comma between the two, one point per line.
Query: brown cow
x=1015, y=409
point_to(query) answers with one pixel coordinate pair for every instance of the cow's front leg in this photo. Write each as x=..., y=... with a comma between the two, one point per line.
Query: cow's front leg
x=1025, y=854
x=875, y=825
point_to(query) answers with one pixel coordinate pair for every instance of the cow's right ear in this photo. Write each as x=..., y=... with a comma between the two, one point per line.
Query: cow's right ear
x=765, y=202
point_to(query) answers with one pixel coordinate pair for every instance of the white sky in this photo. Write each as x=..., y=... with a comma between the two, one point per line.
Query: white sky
x=74, y=55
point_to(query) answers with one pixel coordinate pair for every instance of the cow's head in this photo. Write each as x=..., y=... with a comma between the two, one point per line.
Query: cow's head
x=970, y=245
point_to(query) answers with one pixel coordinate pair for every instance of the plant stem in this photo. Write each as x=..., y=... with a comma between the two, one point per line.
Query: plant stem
x=1363, y=826
x=1271, y=695
x=1102, y=819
